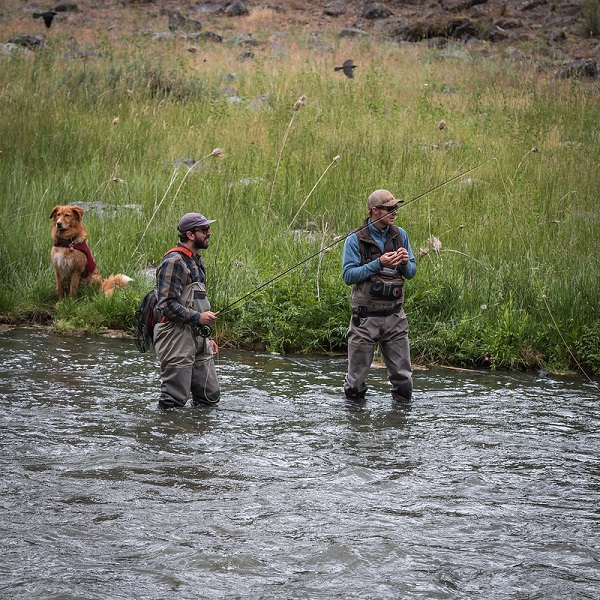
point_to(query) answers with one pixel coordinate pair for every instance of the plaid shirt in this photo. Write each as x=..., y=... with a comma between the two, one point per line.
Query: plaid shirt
x=175, y=271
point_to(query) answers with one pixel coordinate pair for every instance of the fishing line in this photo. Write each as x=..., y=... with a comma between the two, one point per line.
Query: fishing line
x=537, y=279
x=341, y=239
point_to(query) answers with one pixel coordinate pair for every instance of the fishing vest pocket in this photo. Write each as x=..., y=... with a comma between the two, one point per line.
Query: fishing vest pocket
x=387, y=284
x=194, y=297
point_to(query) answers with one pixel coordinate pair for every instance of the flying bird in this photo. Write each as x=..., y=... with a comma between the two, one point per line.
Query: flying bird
x=346, y=68
x=47, y=16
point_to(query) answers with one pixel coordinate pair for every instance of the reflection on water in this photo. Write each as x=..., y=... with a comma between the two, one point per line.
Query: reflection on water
x=485, y=486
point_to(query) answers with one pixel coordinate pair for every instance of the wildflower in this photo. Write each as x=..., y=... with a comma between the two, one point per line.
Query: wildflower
x=300, y=103
x=441, y=124
x=116, y=121
x=484, y=307
x=333, y=162
x=436, y=243
x=218, y=152
x=337, y=158
x=117, y=180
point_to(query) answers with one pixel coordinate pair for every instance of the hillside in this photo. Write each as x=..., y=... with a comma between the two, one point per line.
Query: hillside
x=555, y=32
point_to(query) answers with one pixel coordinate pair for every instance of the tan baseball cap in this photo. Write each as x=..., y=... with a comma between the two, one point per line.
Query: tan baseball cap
x=382, y=198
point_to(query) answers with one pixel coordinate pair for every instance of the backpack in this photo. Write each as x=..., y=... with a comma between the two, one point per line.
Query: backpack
x=146, y=316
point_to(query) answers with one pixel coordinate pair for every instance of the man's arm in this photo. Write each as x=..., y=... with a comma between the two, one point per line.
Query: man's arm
x=169, y=287
x=352, y=271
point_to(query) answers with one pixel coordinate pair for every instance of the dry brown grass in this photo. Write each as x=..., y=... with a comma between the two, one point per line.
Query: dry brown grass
x=260, y=18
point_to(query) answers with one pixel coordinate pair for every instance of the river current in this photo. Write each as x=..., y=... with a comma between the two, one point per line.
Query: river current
x=485, y=486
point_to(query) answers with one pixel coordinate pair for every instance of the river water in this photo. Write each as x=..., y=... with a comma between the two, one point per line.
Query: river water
x=486, y=486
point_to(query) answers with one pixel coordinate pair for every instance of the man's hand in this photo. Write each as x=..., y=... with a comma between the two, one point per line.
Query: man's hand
x=392, y=259
x=208, y=318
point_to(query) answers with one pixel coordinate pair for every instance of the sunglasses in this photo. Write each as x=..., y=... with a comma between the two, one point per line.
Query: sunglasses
x=202, y=229
x=390, y=209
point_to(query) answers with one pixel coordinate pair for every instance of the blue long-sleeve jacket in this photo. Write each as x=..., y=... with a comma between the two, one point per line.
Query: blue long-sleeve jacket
x=353, y=272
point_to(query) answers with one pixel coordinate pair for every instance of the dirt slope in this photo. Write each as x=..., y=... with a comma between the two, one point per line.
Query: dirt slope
x=555, y=29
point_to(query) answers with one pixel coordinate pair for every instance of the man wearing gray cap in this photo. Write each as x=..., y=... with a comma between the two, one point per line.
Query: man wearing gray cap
x=182, y=337
x=377, y=259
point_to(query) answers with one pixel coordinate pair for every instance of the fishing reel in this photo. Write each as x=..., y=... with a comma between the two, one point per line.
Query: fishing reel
x=204, y=331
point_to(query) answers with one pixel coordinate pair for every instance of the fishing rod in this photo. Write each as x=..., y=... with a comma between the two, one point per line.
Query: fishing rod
x=305, y=260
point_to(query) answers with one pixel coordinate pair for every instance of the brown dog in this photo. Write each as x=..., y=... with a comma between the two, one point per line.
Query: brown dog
x=71, y=258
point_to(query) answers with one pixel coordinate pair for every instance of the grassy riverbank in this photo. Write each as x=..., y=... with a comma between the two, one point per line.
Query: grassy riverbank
x=517, y=277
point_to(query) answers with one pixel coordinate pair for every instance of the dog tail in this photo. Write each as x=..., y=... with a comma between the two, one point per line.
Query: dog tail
x=113, y=282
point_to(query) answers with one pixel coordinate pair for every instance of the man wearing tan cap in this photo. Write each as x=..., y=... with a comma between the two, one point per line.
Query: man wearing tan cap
x=182, y=336
x=377, y=259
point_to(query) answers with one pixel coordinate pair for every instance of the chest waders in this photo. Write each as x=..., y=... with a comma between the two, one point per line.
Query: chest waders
x=186, y=358
x=378, y=319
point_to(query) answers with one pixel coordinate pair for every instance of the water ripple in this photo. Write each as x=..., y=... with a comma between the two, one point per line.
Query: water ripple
x=485, y=486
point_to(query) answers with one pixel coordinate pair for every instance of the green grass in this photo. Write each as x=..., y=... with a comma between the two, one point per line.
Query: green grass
x=517, y=279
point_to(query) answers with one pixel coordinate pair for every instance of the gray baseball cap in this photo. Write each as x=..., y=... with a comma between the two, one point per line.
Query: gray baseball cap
x=190, y=221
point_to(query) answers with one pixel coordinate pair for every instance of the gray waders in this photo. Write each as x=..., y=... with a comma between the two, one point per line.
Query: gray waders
x=391, y=333
x=186, y=359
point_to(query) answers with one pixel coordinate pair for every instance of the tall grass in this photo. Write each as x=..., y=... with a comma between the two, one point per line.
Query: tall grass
x=515, y=284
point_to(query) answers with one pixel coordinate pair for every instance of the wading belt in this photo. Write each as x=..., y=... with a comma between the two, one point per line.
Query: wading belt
x=360, y=313
x=384, y=313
